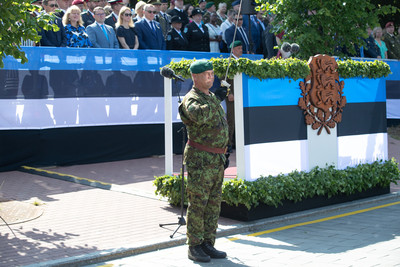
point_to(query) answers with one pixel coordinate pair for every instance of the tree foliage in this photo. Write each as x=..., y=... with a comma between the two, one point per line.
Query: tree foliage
x=325, y=27
x=17, y=24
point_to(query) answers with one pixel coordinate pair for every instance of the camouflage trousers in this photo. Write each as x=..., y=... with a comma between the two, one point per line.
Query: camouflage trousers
x=204, y=190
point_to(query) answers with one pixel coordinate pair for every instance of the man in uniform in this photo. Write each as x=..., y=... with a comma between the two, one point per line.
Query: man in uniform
x=164, y=24
x=176, y=40
x=202, y=5
x=204, y=157
x=392, y=45
x=88, y=16
x=197, y=33
x=178, y=11
x=116, y=6
x=237, y=51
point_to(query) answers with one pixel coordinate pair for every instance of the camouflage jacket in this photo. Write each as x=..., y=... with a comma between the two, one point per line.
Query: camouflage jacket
x=204, y=118
x=393, y=46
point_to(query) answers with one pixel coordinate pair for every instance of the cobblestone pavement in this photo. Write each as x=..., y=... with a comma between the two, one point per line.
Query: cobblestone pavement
x=82, y=224
x=366, y=235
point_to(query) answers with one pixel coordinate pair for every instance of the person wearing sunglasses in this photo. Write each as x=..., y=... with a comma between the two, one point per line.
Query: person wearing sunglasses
x=50, y=37
x=116, y=6
x=125, y=29
x=100, y=34
x=241, y=34
x=149, y=31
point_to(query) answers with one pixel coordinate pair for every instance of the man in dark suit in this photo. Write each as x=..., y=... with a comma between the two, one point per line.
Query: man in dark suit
x=116, y=6
x=149, y=31
x=52, y=38
x=88, y=16
x=178, y=11
x=197, y=33
x=176, y=40
x=241, y=34
x=100, y=34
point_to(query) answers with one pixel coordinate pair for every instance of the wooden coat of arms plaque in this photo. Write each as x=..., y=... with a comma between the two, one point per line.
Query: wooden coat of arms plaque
x=322, y=94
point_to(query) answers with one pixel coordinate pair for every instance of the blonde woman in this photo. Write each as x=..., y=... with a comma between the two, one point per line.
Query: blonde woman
x=377, y=34
x=125, y=29
x=139, y=11
x=73, y=24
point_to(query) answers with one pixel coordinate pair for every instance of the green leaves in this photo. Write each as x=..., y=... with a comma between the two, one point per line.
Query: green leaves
x=263, y=69
x=325, y=27
x=364, y=69
x=291, y=68
x=17, y=23
x=295, y=186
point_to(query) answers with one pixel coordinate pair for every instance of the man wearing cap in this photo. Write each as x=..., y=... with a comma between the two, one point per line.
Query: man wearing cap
x=88, y=16
x=178, y=11
x=204, y=157
x=116, y=6
x=149, y=31
x=237, y=52
x=392, y=45
x=165, y=26
x=202, y=5
x=210, y=9
x=79, y=3
x=236, y=5
x=197, y=33
x=176, y=40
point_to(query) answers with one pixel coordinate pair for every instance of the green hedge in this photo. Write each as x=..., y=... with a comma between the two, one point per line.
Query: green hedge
x=292, y=68
x=295, y=186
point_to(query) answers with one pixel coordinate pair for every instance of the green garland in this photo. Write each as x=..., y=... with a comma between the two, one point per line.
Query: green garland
x=291, y=68
x=295, y=186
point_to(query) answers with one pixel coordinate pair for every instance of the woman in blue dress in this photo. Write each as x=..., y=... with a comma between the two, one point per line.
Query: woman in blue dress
x=73, y=24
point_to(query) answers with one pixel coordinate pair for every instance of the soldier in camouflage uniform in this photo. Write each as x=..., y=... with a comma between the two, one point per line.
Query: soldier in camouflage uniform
x=392, y=44
x=204, y=157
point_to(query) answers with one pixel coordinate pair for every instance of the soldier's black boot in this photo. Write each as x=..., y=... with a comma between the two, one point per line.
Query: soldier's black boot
x=212, y=252
x=196, y=253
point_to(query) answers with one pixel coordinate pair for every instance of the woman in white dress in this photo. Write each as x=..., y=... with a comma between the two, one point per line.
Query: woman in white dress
x=215, y=33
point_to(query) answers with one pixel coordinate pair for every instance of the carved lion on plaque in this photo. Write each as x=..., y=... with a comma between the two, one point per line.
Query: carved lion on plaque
x=322, y=94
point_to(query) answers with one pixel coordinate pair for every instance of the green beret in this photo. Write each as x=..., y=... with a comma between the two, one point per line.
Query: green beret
x=209, y=4
x=235, y=43
x=200, y=66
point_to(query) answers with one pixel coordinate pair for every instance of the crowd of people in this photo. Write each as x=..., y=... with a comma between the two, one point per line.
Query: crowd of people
x=172, y=25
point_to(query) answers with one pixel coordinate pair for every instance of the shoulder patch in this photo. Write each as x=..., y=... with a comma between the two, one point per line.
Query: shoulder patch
x=169, y=37
x=185, y=30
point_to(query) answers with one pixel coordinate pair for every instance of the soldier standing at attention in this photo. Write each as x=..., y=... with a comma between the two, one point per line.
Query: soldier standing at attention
x=205, y=160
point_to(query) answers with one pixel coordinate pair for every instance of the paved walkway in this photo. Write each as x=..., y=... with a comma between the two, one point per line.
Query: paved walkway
x=77, y=224
x=356, y=236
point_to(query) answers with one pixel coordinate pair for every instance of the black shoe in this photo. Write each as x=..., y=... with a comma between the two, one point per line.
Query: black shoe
x=196, y=253
x=212, y=252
